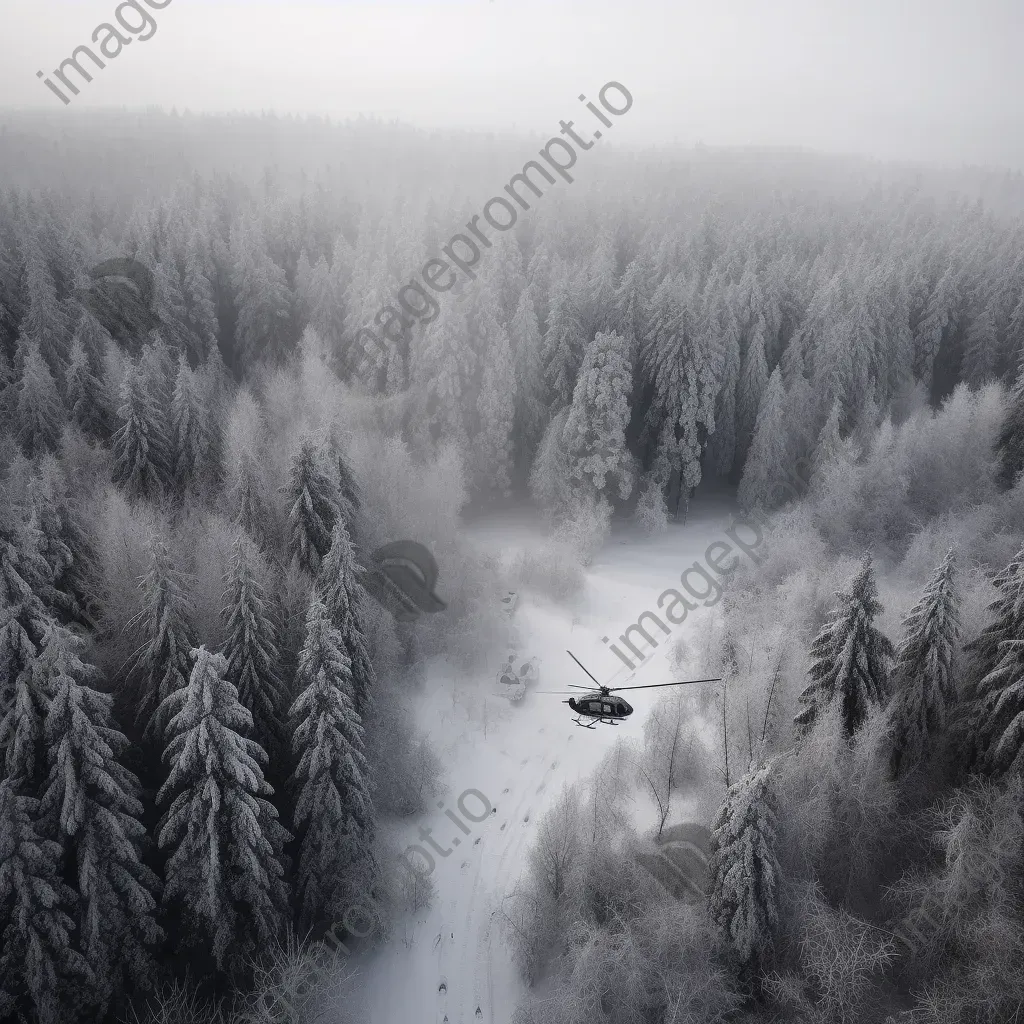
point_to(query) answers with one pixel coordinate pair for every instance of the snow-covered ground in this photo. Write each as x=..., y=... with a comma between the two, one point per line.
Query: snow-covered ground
x=450, y=963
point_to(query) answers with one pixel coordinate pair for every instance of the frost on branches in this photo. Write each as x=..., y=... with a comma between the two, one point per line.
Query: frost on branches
x=744, y=867
x=225, y=876
x=850, y=657
x=333, y=813
x=923, y=676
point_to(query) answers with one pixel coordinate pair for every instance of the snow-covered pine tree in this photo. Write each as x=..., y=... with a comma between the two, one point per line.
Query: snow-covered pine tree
x=91, y=807
x=996, y=712
x=681, y=365
x=41, y=973
x=726, y=338
x=347, y=485
x=339, y=587
x=263, y=299
x=830, y=445
x=980, y=348
x=565, y=342
x=39, y=416
x=447, y=364
x=225, y=873
x=744, y=869
x=923, y=683
x=63, y=546
x=166, y=660
x=768, y=459
x=850, y=657
x=314, y=506
x=172, y=311
x=632, y=303
x=526, y=341
x=333, y=812
x=201, y=313
x=550, y=485
x=595, y=432
x=251, y=648
x=140, y=447
x=495, y=405
x=84, y=394
x=1010, y=445
x=190, y=437
x=24, y=628
x=753, y=381
x=46, y=320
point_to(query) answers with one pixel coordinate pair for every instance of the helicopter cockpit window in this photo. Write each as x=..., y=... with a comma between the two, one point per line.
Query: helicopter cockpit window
x=595, y=705
x=607, y=709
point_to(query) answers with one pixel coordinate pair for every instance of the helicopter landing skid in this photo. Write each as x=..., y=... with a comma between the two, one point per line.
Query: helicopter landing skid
x=579, y=722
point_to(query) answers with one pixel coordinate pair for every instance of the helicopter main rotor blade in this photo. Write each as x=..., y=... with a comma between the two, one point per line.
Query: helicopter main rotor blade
x=651, y=686
x=580, y=663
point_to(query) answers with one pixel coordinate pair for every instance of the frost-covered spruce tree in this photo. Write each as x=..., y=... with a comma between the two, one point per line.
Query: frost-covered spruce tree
x=988, y=646
x=495, y=405
x=767, y=460
x=225, y=874
x=84, y=394
x=91, y=807
x=595, y=432
x=830, y=444
x=526, y=341
x=923, y=681
x=166, y=660
x=40, y=420
x=744, y=867
x=313, y=507
x=564, y=344
x=333, y=812
x=41, y=973
x=997, y=703
x=63, y=546
x=753, y=380
x=24, y=628
x=190, y=440
x=350, y=500
x=1010, y=445
x=139, y=444
x=850, y=657
x=341, y=591
x=251, y=648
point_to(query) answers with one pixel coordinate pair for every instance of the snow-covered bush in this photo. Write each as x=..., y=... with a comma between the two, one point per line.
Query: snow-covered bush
x=552, y=569
x=651, y=512
x=586, y=528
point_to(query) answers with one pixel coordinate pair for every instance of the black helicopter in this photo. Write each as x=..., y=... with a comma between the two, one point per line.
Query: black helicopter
x=600, y=704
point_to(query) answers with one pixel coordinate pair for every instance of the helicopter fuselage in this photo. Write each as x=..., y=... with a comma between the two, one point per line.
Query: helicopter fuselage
x=600, y=705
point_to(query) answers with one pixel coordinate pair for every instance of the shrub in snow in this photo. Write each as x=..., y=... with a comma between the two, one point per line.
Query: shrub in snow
x=651, y=512
x=586, y=528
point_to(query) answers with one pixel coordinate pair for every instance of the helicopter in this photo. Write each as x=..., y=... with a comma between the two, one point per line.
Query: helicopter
x=601, y=705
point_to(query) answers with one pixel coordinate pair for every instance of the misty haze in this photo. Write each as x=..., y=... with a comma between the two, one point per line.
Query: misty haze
x=511, y=513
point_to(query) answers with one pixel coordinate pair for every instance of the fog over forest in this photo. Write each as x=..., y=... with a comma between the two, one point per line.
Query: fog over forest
x=330, y=428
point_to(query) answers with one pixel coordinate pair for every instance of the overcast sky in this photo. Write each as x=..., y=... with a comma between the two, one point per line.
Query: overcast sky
x=920, y=79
